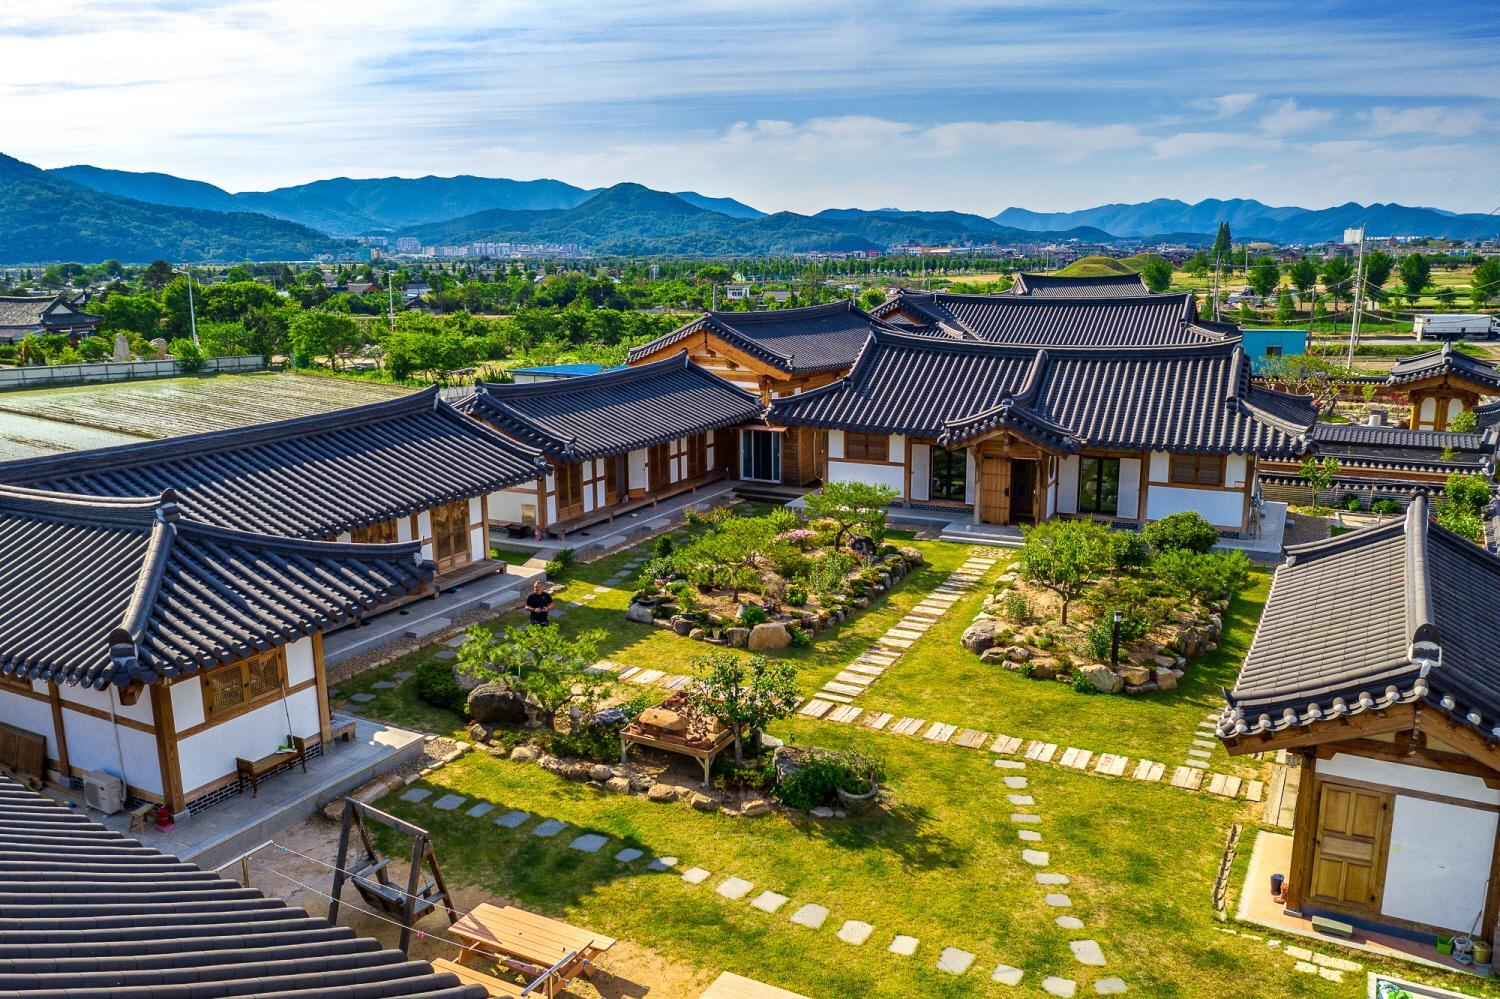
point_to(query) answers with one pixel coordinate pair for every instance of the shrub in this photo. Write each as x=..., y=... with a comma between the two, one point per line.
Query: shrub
x=782, y=519
x=435, y=683
x=1016, y=608
x=1028, y=670
x=752, y=614
x=1128, y=550
x=799, y=537
x=814, y=786
x=1097, y=640
x=1204, y=578
x=595, y=743
x=830, y=571
x=662, y=547
x=757, y=775
x=657, y=568
x=791, y=565
x=1063, y=661
x=796, y=595
x=1063, y=556
x=1353, y=505
x=799, y=638
x=1082, y=685
x=1181, y=531
x=1385, y=506
x=560, y=562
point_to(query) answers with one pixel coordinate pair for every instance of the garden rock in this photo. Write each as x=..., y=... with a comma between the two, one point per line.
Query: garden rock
x=1149, y=687
x=493, y=704
x=639, y=613
x=993, y=655
x=703, y=802
x=600, y=772
x=610, y=717
x=1042, y=669
x=1166, y=679
x=697, y=634
x=737, y=637
x=661, y=792
x=981, y=635
x=767, y=636
x=682, y=625
x=1103, y=678
x=1134, y=675
x=551, y=764
x=578, y=771
x=619, y=785
x=525, y=754
x=1017, y=654
x=755, y=807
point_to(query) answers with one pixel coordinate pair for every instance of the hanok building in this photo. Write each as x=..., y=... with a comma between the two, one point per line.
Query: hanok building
x=93, y=913
x=1013, y=433
x=772, y=354
x=138, y=641
x=1441, y=384
x=1375, y=663
x=619, y=440
x=1097, y=286
x=23, y=315
x=1054, y=321
x=408, y=469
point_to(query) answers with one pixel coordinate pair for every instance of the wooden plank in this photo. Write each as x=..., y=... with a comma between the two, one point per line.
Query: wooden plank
x=1110, y=765
x=1078, y=759
x=907, y=726
x=1255, y=790
x=970, y=738
x=878, y=720
x=816, y=708
x=1005, y=745
x=844, y=714
x=731, y=986
x=1188, y=778
x=1149, y=770
x=1041, y=752
x=938, y=732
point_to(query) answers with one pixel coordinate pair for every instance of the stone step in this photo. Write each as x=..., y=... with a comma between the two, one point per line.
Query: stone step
x=430, y=626
x=940, y=732
x=816, y=708
x=1005, y=745
x=1148, y=770
x=1255, y=791
x=1078, y=759
x=847, y=689
x=860, y=680
x=865, y=669
x=1187, y=778
x=837, y=698
x=844, y=714
x=876, y=720
x=1224, y=785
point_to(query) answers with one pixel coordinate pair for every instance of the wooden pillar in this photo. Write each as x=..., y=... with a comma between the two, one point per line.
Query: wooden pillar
x=1304, y=833
x=60, y=732
x=320, y=681
x=166, y=748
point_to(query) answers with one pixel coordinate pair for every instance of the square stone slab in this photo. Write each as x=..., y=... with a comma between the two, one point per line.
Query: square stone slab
x=811, y=916
x=695, y=875
x=1069, y=922
x=362, y=698
x=954, y=961
x=905, y=946
x=511, y=820
x=1110, y=986
x=629, y=854
x=1029, y=835
x=768, y=901
x=1062, y=987
x=449, y=802
x=1058, y=900
x=662, y=864
x=1051, y=879
x=480, y=810
x=1025, y=800
x=549, y=828
x=589, y=843
x=1036, y=858
x=1006, y=975
x=1021, y=818
x=735, y=888
x=383, y=685
x=855, y=932
x=1088, y=952
x=1014, y=783
x=417, y=794
x=404, y=674
x=446, y=655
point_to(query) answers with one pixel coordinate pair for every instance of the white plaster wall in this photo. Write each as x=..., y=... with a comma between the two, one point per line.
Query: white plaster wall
x=551, y=511
x=211, y=753
x=856, y=471
x=107, y=700
x=921, y=471
x=1222, y=508
x=344, y=538
x=588, y=492
x=835, y=443
x=897, y=448
x=1439, y=862
x=1399, y=775
x=1235, y=467
x=677, y=467
x=1130, y=488
x=299, y=662
x=1429, y=411
x=506, y=506
x=30, y=714
x=403, y=529
x=1160, y=466
x=92, y=746
x=1455, y=406
x=640, y=477
x=187, y=702
x=1067, y=484
x=424, y=523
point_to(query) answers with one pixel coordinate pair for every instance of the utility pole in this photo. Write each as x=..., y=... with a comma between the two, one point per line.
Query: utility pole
x=1217, y=259
x=192, y=312
x=1359, y=288
x=390, y=298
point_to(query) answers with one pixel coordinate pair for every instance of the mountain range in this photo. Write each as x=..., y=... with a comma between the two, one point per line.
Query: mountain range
x=89, y=213
x=1250, y=219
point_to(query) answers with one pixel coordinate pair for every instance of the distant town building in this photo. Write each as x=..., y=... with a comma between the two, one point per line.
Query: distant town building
x=23, y=314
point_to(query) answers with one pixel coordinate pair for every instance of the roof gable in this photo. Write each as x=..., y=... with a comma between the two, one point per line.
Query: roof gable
x=311, y=476
x=590, y=416
x=794, y=341
x=1163, y=320
x=111, y=591
x=1095, y=286
x=1449, y=364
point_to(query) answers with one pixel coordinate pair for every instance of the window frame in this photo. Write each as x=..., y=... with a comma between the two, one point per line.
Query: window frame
x=241, y=670
x=1189, y=469
x=1101, y=464
x=860, y=445
x=961, y=479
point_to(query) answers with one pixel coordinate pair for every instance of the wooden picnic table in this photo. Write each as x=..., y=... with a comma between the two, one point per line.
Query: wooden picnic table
x=535, y=940
x=732, y=986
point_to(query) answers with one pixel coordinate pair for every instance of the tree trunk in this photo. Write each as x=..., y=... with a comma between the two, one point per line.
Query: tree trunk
x=739, y=749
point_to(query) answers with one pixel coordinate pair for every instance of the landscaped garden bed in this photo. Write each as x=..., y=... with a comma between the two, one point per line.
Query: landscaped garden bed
x=769, y=581
x=1110, y=611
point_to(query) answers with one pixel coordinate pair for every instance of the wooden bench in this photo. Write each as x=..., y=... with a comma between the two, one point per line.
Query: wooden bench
x=142, y=817
x=341, y=730
x=256, y=771
x=496, y=987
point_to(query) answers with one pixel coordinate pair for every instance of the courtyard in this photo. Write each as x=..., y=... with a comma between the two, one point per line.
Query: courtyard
x=1028, y=846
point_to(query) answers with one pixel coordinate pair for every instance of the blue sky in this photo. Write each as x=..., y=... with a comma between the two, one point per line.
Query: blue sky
x=785, y=105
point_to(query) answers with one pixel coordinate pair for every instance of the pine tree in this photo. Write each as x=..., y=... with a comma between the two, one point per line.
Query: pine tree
x=1223, y=243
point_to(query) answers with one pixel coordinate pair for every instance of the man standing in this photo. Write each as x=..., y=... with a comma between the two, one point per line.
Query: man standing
x=539, y=603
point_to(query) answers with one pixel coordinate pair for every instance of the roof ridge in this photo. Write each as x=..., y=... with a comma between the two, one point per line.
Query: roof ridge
x=977, y=346
x=500, y=392
x=1419, y=623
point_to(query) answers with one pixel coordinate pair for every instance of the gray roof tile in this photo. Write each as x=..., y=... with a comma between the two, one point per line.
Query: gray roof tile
x=1021, y=319
x=797, y=341
x=1445, y=361
x=1058, y=286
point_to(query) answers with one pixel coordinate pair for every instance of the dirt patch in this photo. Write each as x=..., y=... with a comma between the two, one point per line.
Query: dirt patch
x=628, y=971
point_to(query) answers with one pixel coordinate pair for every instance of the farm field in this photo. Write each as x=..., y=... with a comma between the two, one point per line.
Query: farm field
x=49, y=421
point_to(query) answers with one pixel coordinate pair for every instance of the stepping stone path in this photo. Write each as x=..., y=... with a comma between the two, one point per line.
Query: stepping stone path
x=954, y=961
x=362, y=698
x=417, y=794
x=903, y=635
x=1069, y=922
x=446, y=655
x=449, y=802
x=904, y=946
x=628, y=855
x=1087, y=952
x=383, y=685
x=589, y=843
x=1006, y=975
x=855, y=932
x=695, y=875
x=480, y=810
x=768, y=901
x=734, y=888
x=662, y=864
x=811, y=916
x=404, y=674
x=549, y=828
x=1059, y=986
x=1110, y=987
x=513, y=820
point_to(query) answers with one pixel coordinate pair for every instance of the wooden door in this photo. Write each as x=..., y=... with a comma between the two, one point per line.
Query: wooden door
x=697, y=455
x=569, y=480
x=1353, y=831
x=994, y=490
x=726, y=449
x=656, y=467
x=1022, y=489
x=450, y=535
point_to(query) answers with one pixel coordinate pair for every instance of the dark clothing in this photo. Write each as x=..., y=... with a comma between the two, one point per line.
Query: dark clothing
x=539, y=604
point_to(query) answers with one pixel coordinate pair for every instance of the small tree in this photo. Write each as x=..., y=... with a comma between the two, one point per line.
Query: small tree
x=1157, y=274
x=1415, y=271
x=1318, y=474
x=1306, y=374
x=1064, y=556
x=1464, y=423
x=857, y=508
x=745, y=693
x=1304, y=277
x=731, y=554
x=1286, y=310
x=1187, y=529
x=541, y=663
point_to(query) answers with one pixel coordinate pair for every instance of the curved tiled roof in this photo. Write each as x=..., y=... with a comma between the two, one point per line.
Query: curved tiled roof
x=1185, y=399
x=1400, y=450
x=1397, y=613
x=576, y=419
x=1445, y=361
x=91, y=913
x=1020, y=319
x=312, y=476
x=1098, y=286
x=797, y=341
x=97, y=591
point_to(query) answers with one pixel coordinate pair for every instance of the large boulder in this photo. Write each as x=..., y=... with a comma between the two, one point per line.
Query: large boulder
x=768, y=636
x=1134, y=675
x=639, y=613
x=737, y=637
x=1103, y=678
x=682, y=625
x=981, y=635
x=493, y=704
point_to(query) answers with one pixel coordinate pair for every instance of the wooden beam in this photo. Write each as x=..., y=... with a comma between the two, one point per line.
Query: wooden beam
x=1304, y=833
x=60, y=732
x=1413, y=754
x=166, y=748
x=1395, y=719
x=1460, y=735
x=320, y=677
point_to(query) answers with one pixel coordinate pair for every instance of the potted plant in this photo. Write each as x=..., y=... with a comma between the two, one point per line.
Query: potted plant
x=859, y=786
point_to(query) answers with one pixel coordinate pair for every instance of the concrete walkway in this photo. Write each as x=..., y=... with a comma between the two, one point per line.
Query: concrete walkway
x=595, y=540
x=428, y=616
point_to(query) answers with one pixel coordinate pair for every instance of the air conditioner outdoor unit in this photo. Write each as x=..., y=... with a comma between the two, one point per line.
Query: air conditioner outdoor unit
x=104, y=792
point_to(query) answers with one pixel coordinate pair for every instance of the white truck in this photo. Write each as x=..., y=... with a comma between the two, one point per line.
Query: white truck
x=1448, y=326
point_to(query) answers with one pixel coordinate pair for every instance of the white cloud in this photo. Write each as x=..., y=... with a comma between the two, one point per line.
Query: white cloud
x=1232, y=104
x=1432, y=120
x=1198, y=143
x=1287, y=118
